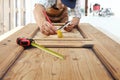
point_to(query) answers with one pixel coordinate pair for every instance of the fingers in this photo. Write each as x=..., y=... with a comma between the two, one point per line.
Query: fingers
x=44, y=31
x=48, y=29
x=69, y=27
x=74, y=23
x=51, y=29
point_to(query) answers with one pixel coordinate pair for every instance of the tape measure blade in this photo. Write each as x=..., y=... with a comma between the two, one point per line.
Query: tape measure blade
x=48, y=50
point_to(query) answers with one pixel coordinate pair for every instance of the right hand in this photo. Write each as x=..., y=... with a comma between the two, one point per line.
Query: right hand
x=48, y=29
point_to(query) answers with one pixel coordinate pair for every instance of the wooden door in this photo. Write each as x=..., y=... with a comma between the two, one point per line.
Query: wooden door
x=85, y=57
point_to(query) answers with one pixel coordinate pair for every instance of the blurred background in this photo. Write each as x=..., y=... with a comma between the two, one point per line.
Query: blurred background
x=103, y=14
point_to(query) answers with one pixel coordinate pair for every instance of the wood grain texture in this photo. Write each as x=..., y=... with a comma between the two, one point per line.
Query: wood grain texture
x=62, y=39
x=73, y=34
x=9, y=50
x=66, y=44
x=111, y=63
x=112, y=46
x=106, y=49
x=58, y=24
x=80, y=64
x=83, y=56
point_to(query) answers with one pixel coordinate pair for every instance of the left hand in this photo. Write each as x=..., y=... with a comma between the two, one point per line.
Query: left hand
x=74, y=22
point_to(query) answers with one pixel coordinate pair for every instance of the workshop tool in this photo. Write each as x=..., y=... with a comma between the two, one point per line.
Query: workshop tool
x=25, y=42
x=47, y=18
x=65, y=25
x=59, y=33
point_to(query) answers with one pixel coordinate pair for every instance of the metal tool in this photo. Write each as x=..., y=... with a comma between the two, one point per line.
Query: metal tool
x=66, y=24
x=25, y=42
x=59, y=33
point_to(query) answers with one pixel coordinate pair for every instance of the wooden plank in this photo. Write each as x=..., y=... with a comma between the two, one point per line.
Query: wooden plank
x=11, y=15
x=66, y=44
x=6, y=15
x=22, y=13
x=86, y=7
x=61, y=39
x=112, y=46
x=80, y=64
x=16, y=13
x=111, y=63
x=102, y=48
x=10, y=51
x=58, y=24
x=83, y=33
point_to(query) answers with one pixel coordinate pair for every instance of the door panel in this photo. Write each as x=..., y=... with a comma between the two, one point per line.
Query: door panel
x=75, y=33
x=79, y=64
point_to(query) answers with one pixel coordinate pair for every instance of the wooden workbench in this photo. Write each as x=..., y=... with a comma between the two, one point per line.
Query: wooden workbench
x=90, y=55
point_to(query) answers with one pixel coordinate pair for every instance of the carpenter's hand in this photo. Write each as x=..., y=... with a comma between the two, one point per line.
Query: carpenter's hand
x=47, y=29
x=74, y=23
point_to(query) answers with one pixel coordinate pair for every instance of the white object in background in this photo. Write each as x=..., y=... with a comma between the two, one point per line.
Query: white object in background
x=108, y=25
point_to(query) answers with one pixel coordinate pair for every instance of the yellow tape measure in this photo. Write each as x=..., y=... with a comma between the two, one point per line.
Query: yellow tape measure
x=48, y=50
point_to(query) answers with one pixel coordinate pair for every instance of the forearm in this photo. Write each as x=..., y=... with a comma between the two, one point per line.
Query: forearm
x=38, y=14
x=76, y=10
x=76, y=20
x=76, y=17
